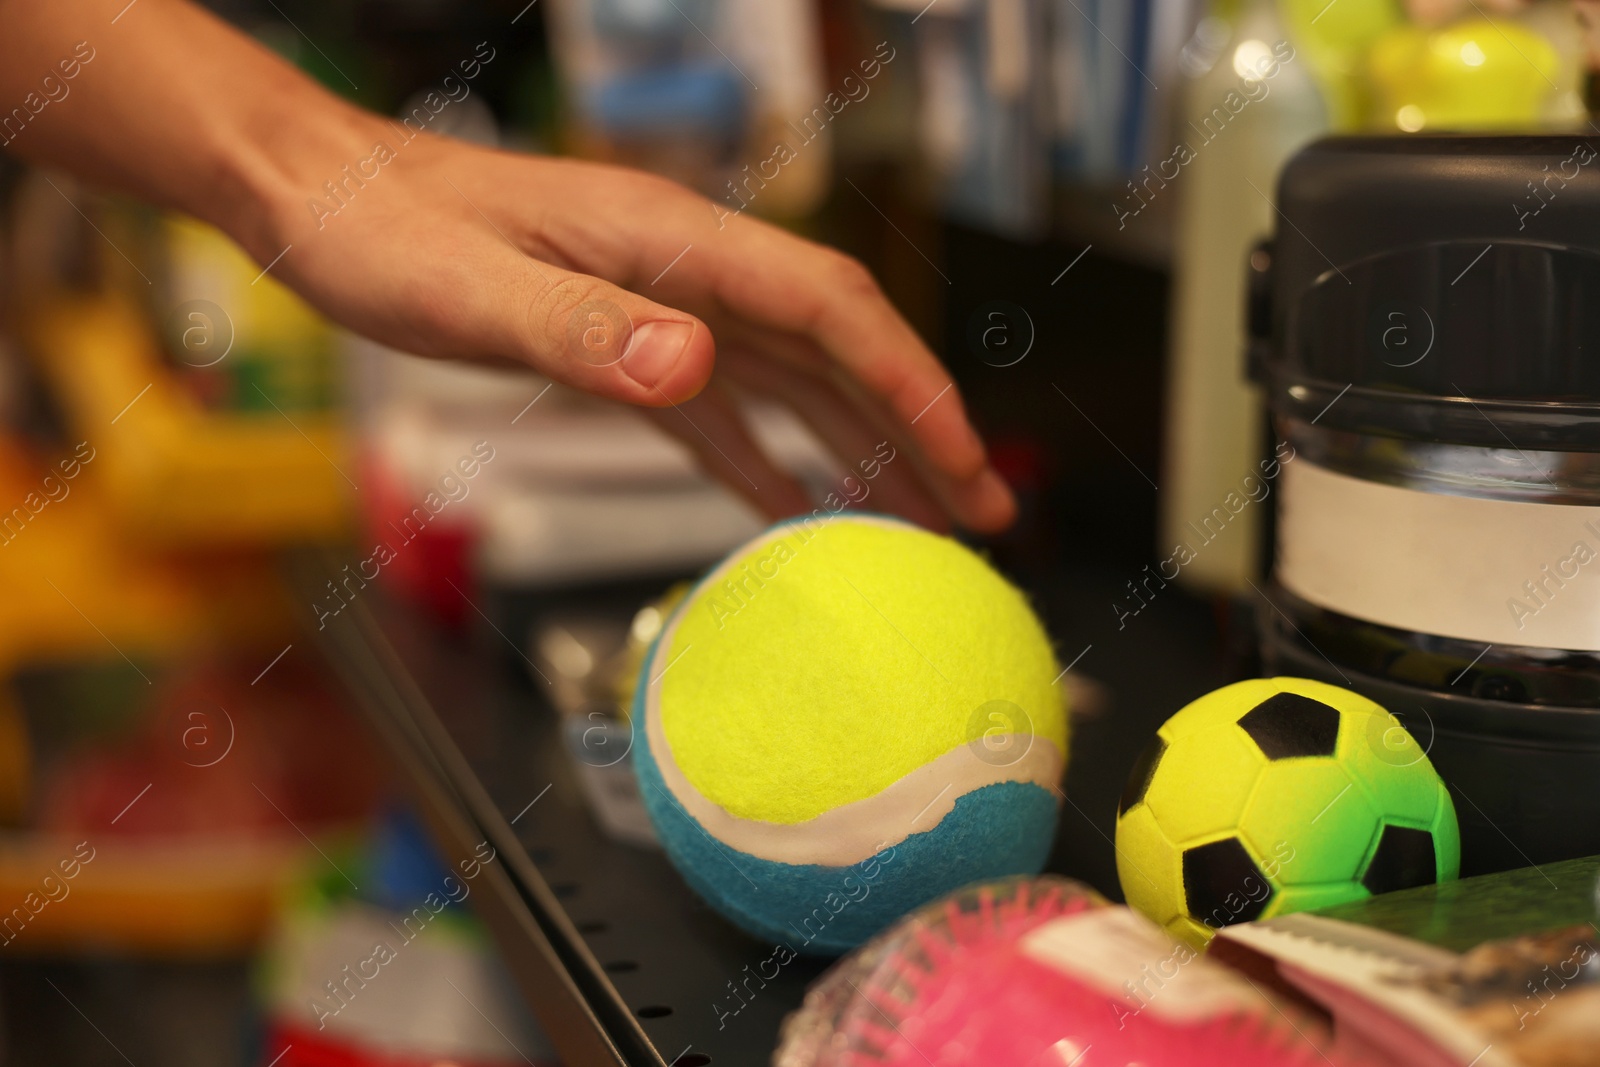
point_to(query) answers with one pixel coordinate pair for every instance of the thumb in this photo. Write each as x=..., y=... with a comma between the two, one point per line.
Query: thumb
x=594, y=336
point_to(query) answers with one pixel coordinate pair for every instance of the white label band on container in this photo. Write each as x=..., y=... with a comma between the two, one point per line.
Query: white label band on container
x=1499, y=571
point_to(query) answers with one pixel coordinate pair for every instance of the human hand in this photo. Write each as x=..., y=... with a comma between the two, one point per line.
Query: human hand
x=632, y=288
x=446, y=249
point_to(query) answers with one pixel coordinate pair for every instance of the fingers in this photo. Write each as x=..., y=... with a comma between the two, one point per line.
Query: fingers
x=868, y=458
x=604, y=340
x=777, y=280
x=853, y=423
x=772, y=279
x=710, y=425
x=983, y=503
x=482, y=298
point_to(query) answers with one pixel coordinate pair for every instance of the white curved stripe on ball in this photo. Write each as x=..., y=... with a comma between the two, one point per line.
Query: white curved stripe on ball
x=854, y=832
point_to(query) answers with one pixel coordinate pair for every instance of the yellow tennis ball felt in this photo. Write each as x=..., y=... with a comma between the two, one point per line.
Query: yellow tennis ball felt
x=829, y=661
x=846, y=718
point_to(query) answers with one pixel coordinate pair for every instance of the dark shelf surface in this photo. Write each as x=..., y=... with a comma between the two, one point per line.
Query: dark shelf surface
x=643, y=955
x=656, y=942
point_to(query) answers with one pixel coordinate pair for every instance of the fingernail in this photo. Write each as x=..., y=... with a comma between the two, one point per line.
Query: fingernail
x=655, y=350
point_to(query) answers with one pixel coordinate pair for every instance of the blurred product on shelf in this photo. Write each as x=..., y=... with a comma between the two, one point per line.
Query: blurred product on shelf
x=1333, y=40
x=285, y=737
x=1502, y=970
x=1108, y=63
x=642, y=633
x=80, y=590
x=1346, y=66
x=236, y=337
x=1249, y=101
x=1030, y=971
x=186, y=800
x=86, y=556
x=175, y=473
x=397, y=973
x=16, y=762
x=591, y=662
x=204, y=389
x=568, y=489
x=720, y=95
x=1034, y=112
x=1434, y=12
x=1477, y=74
x=983, y=71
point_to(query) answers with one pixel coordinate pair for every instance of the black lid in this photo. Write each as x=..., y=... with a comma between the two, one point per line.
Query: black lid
x=1440, y=288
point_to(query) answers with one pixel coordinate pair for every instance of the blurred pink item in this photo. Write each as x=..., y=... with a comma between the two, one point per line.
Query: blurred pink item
x=1030, y=973
x=1438, y=12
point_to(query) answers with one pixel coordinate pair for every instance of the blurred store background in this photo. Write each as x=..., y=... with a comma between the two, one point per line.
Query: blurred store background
x=200, y=844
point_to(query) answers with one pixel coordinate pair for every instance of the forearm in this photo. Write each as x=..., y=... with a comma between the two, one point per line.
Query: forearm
x=171, y=105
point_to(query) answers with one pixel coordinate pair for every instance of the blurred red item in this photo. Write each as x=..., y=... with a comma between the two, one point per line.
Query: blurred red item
x=217, y=754
x=1023, y=462
x=1028, y=468
x=430, y=566
x=292, y=1046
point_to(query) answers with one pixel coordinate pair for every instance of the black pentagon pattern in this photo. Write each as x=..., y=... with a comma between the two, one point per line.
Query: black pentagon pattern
x=1288, y=725
x=1144, y=769
x=1405, y=858
x=1222, y=885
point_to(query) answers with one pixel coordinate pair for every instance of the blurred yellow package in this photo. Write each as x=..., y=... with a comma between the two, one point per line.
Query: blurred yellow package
x=175, y=473
x=1477, y=74
x=237, y=336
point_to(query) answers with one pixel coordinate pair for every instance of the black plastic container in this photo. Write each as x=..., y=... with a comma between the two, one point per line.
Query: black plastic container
x=1426, y=324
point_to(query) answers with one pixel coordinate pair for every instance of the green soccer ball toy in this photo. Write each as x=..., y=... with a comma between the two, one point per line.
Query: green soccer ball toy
x=1278, y=795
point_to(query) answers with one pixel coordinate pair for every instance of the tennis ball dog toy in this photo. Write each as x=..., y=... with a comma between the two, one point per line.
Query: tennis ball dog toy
x=844, y=719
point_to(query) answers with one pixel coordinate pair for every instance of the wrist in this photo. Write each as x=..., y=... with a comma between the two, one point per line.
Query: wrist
x=286, y=145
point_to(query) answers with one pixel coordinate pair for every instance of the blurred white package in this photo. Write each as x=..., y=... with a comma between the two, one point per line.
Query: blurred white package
x=578, y=489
